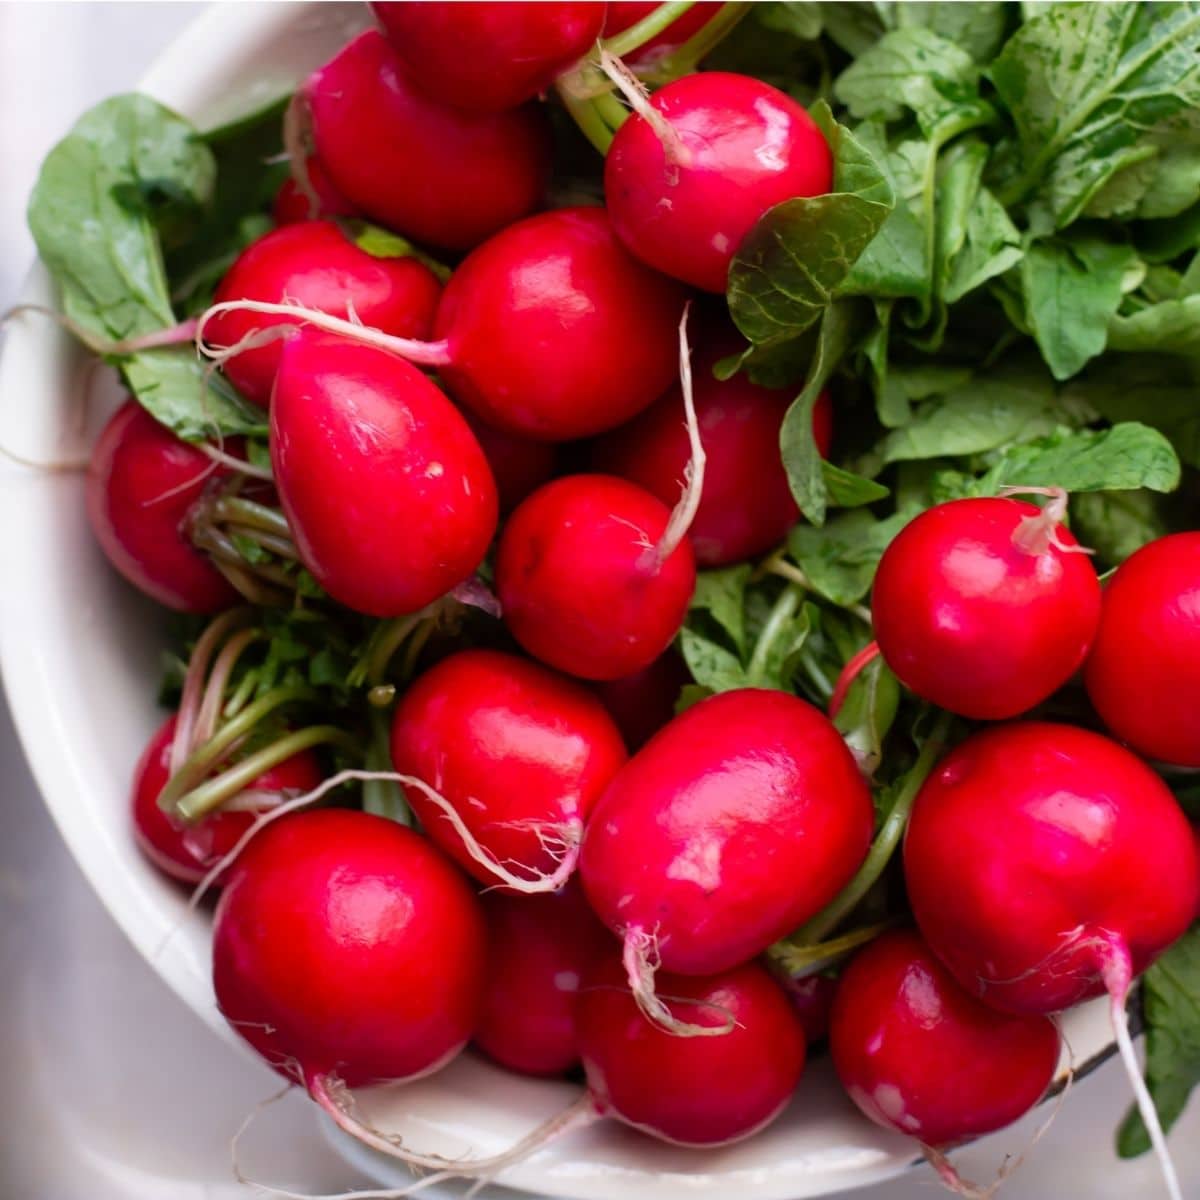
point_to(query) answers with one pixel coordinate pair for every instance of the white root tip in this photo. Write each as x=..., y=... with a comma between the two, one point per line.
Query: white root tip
x=432, y=354
x=684, y=512
x=1036, y=535
x=641, y=962
x=1118, y=977
x=638, y=98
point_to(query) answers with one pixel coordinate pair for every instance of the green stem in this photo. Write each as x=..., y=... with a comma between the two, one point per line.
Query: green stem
x=383, y=797
x=200, y=763
x=247, y=512
x=385, y=642
x=650, y=26
x=241, y=696
x=413, y=650
x=585, y=114
x=211, y=794
x=786, y=570
x=684, y=59
x=781, y=613
x=281, y=547
x=799, y=961
x=884, y=846
x=612, y=112
x=813, y=670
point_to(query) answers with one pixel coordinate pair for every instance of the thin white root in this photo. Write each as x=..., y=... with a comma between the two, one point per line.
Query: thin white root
x=297, y=137
x=173, y=335
x=954, y=1182
x=684, y=513
x=240, y=465
x=1036, y=535
x=1118, y=977
x=430, y=354
x=641, y=962
x=638, y=98
x=571, y=833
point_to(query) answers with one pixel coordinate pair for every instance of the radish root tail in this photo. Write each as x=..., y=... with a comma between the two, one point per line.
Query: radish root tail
x=297, y=144
x=1117, y=970
x=641, y=961
x=638, y=98
x=1036, y=535
x=684, y=513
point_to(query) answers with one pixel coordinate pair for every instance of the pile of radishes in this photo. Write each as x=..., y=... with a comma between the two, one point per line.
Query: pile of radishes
x=458, y=574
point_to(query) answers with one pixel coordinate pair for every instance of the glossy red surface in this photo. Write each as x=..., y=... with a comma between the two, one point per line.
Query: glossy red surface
x=624, y=13
x=555, y=331
x=642, y=703
x=436, y=174
x=746, y=506
x=142, y=483
x=484, y=57
x=519, y=464
x=511, y=746
x=1146, y=658
x=1035, y=851
x=919, y=1055
x=292, y=205
x=733, y=825
x=345, y=943
x=695, y=1091
x=390, y=500
x=969, y=620
x=539, y=948
x=577, y=581
x=748, y=147
x=315, y=265
x=187, y=852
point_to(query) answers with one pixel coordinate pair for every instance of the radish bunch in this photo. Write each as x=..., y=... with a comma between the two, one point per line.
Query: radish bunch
x=540, y=686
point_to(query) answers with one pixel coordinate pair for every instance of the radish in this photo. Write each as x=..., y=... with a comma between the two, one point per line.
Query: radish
x=583, y=582
x=710, y=1093
x=548, y=331
x=747, y=505
x=1045, y=865
x=539, y=948
x=347, y=951
x=484, y=57
x=812, y=998
x=688, y=175
x=642, y=703
x=314, y=264
x=737, y=822
x=142, y=486
x=187, y=852
x=919, y=1055
x=551, y=330
x=986, y=606
x=1146, y=657
x=519, y=464
x=433, y=173
x=518, y=755
x=291, y=204
x=622, y=14
x=388, y=495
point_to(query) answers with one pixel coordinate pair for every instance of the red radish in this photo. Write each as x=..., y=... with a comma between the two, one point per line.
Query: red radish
x=390, y=500
x=347, y=951
x=1046, y=864
x=553, y=331
x=736, y=823
x=142, y=485
x=812, y=998
x=747, y=505
x=580, y=584
x=985, y=607
x=690, y=173
x=622, y=14
x=187, y=852
x=433, y=173
x=705, y=1093
x=313, y=264
x=292, y=205
x=1146, y=657
x=548, y=331
x=519, y=465
x=642, y=703
x=923, y=1057
x=539, y=948
x=484, y=57
x=518, y=754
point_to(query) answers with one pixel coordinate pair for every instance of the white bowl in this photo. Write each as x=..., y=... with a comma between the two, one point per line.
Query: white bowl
x=79, y=652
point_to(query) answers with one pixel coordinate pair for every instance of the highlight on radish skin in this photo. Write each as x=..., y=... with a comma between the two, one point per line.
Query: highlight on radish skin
x=1045, y=865
x=519, y=754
